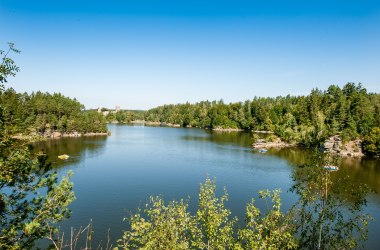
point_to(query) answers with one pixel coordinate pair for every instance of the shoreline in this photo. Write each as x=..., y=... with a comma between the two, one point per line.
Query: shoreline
x=228, y=129
x=34, y=137
x=333, y=144
x=277, y=143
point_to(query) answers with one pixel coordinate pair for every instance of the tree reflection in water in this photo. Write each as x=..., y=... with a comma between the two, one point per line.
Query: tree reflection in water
x=330, y=207
x=77, y=148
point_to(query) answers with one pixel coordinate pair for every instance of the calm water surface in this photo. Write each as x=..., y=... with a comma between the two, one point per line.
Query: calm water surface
x=114, y=175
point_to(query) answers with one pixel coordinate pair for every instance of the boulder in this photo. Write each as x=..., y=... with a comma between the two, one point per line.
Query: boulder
x=335, y=145
x=56, y=134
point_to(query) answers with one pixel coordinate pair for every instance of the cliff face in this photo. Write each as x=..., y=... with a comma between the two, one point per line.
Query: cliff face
x=335, y=145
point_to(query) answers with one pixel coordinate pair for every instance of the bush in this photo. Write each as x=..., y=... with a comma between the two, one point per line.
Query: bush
x=371, y=143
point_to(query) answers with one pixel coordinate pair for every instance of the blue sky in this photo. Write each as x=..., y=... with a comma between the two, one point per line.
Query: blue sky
x=140, y=54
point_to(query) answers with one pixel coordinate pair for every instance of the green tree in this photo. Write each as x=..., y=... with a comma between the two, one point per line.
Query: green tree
x=121, y=116
x=213, y=218
x=7, y=66
x=328, y=215
x=371, y=143
x=31, y=200
x=324, y=218
x=164, y=227
x=274, y=230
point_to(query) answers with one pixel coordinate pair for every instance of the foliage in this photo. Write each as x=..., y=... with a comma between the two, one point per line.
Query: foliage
x=325, y=217
x=275, y=230
x=166, y=227
x=329, y=215
x=24, y=212
x=44, y=112
x=125, y=116
x=7, y=66
x=213, y=218
x=171, y=226
x=371, y=143
x=31, y=200
x=307, y=120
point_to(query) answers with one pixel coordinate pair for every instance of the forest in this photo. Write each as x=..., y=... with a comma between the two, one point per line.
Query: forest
x=124, y=116
x=33, y=200
x=41, y=112
x=349, y=111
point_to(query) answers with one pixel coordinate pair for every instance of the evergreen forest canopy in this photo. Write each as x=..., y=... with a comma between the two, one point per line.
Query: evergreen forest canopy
x=350, y=111
x=40, y=112
x=124, y=116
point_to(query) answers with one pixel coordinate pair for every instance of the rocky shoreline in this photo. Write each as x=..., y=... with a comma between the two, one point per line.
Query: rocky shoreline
x=162, y=124
x=56, y=135
x=276, y=143
x=175, y=125
x=262, y=132
x=227, y=129
x=335, y=145
x=137, y=122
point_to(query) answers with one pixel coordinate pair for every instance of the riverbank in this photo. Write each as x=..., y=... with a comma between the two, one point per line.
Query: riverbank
x=228, y=129
x=175, y=125
x=333, y=145
x=276, y=143
x=149, y=123
x=33, y=137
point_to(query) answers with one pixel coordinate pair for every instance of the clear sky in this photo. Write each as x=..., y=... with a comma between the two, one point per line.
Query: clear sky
x=139, y=54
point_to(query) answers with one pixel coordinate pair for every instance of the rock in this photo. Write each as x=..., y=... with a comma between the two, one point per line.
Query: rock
x=56, y=134
x=73, y=134
x=227, y=129
x=95, y=134
x=335, y=145
x=262, y=132
x=147, y=123
x=277, y=143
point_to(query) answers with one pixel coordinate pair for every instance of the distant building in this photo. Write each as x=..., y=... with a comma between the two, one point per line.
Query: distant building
x=105, y=112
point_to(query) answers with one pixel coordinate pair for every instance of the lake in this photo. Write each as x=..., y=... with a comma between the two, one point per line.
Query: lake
x=115, y=175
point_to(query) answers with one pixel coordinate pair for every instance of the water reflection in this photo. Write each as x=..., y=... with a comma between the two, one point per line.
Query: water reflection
x=358, y=170
x=77, y=148
x=330, y=207
x=240, y=139
x=365, y=170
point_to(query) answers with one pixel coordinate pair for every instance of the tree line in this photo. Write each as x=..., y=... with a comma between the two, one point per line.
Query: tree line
x=33, y=200
x=125, y=116
x=40, y=112
x=350, y=111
